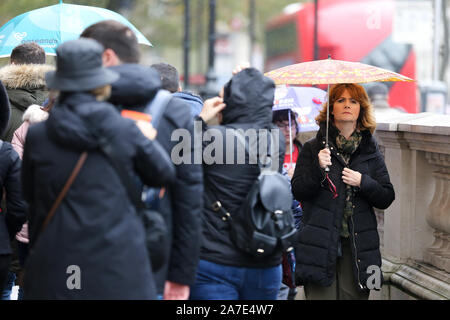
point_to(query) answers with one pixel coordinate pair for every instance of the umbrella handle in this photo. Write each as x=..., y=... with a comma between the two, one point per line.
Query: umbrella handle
x=327, y=169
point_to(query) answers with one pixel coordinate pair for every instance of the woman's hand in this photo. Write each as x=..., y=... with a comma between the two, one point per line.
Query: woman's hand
x=352, y=178
x=211, y=109
x=324, y=158
x=147, y=129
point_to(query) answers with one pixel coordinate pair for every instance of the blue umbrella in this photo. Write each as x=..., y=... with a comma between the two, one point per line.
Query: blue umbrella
x=53, y=25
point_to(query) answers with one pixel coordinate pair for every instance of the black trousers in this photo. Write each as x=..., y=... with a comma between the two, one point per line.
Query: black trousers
x=5, y=261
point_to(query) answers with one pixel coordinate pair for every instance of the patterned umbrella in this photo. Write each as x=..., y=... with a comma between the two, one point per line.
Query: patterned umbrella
x=331, y=71
x=53, y=25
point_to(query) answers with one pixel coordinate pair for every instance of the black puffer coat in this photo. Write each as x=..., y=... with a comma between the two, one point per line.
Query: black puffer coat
x=317, y=246
x=182, y=204
x=249, y=100
x=96, y=227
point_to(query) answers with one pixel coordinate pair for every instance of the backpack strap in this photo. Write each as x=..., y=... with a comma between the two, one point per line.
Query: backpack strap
x=157, y=106
x=156, y=109
x=216, y=206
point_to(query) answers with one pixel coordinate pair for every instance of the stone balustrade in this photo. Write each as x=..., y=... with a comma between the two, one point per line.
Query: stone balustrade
x=416, y=227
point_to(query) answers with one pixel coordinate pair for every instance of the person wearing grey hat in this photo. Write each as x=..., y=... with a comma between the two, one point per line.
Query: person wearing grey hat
x=93, y=246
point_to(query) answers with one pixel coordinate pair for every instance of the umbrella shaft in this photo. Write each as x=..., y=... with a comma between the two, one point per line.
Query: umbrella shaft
x=290, y=135
x=328, y=115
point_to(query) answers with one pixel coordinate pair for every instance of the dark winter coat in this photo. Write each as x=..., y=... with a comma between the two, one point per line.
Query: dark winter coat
x=25, y=85
x=249, y=100
x=96, y=227
x=317, y=247
x=182, y=204
x=14, y=215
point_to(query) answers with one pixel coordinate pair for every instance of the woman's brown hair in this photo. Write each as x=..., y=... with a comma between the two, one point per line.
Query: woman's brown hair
x=366, y=119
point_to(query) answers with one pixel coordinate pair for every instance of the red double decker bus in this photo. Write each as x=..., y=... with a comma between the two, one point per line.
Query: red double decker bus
x=351, y=30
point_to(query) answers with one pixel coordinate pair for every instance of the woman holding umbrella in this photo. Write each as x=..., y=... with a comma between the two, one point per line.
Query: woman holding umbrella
x=338, y=188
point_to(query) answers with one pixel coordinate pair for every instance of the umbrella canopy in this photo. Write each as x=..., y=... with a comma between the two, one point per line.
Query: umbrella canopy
x=305, y=101
x=329, y=71
x=53, y=25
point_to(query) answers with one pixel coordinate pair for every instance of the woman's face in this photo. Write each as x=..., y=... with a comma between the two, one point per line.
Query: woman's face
x=346, y=108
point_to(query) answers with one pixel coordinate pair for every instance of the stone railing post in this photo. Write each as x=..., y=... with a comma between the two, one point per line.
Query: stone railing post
x=438, y=217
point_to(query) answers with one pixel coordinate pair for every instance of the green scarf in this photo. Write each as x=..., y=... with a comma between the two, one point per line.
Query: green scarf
x=346, y=148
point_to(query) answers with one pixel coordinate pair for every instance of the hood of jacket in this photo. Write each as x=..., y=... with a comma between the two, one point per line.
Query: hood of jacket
x=4, y=109
x=189, y=97
x=195, y=102
x=24, y=76
x=78, y=121
x=249, y=97
x=136, y=86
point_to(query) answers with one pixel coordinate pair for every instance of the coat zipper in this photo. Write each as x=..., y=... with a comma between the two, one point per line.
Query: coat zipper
x=354, y=245
x=356, y=254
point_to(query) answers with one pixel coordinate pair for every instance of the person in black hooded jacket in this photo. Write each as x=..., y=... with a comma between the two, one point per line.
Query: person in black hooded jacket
x=224, y=271
x=338, y=255
x=14, y=215
x=94, y=246
x=181, y=205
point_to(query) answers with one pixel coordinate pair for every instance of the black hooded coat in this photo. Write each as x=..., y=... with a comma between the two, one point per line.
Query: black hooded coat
x=96, y=228
x=181, y=205
x=249, y=100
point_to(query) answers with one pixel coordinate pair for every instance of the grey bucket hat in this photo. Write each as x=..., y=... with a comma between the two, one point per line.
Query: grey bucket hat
x=79, y=67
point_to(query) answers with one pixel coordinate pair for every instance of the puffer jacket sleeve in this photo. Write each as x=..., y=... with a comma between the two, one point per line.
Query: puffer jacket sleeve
x=15, y=204
x=308, y=175
x=377, y=188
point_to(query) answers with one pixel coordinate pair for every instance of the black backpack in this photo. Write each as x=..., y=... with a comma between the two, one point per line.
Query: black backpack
x=264, y=224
